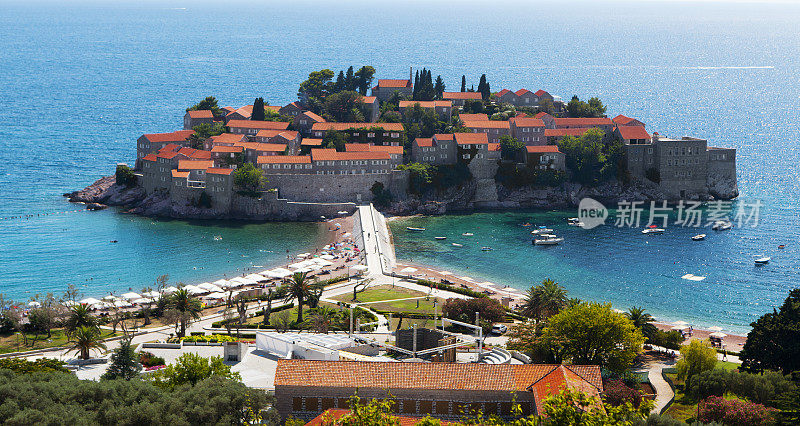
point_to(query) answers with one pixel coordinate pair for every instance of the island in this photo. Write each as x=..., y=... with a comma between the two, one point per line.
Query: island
x=410, y=147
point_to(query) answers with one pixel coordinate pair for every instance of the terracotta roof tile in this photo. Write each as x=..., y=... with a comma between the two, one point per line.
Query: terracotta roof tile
x=203, y=113
x=227, y=149
x=462, y=95
x=365, y=147
x=194, y=164
x=195, y=154
x=283, y=159
x=389, y=83
x=333, y=155
x=503, y=92
x=391, y=127
x=527, y=122
x=583, y=122
x=633, y=132
x=521, y=92
x=368, y=99
x=252, y=124
x=179, y=174
x=425, y=104
x=487, y=124
x=471, y=138
x=473, y=117
x=150, y=157
x=311, y=142
x=541, y=93
x=541, y=149
x=443, y=136
x=178, y=136
x=425, y=142
x=227, y=138
x=565, y=132
x=219, y=171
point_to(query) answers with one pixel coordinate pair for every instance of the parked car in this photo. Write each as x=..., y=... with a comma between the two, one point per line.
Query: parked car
x=499, y=329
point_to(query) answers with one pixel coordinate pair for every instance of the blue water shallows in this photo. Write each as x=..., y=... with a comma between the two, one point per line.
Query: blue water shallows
x=81, y=81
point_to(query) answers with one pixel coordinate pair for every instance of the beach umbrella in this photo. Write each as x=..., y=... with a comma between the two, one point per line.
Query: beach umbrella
x=110, y=297
x=682, y=324
x=282, y=272
x=170, y=290
x=152, y=294
x=677, y=328
x=89, y=301
x=141, y=301
x=34, y=304
x=131, y=296
x=327, y=257
x=619, y=311
x=257, y=278
x=69, y=303
x=718, y=335
x=408, y=270
x=358, y=268
x=715, y=328
x=121, y=304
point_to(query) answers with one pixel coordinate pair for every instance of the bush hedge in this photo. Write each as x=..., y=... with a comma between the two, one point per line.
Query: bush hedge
x=20, y=365
x=449, y=287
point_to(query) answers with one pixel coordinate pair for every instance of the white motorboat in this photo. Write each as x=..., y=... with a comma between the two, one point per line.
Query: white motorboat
x=486, y=249
x=468, y=234
x=549, y=240
x=654, y=231
x=574, y=221
x=722, y=225
x=541, y=230
x=411, y=228
x=762, y=260
x=699, y=237
x=457, y=245
x=439, y=238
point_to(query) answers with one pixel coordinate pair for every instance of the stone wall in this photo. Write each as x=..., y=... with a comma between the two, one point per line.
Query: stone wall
x=338, y=188
x=722, y=173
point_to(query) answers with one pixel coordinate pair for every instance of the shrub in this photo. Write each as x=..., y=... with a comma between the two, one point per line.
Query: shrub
x=465, y=309
x=147, y=359
x=668, y=339
x=764, y=389
x=452, y=288
x=618, y=393
x=734, y=412
x=20, y=365
x=124, y=176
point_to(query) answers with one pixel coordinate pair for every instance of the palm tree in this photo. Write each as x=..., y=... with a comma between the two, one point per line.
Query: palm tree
x=321, y=319
x=544, y=300
x=300, y=288
x=642, y=320
x=79, y=316
x=85, y=339
x=185, y=309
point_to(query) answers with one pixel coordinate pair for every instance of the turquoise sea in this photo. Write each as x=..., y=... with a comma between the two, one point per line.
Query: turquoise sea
x=81, y=81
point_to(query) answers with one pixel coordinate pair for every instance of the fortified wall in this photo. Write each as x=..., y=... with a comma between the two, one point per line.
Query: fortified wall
x=336, y=188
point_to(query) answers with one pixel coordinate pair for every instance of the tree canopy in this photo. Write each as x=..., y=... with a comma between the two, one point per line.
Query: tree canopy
x=544, y=300
x=510, y=147
x=345, y=107
x=592, y=158
x=248, y=177
x=258, y=110
x=593, y=108
x=209, y=103
x=773, y=343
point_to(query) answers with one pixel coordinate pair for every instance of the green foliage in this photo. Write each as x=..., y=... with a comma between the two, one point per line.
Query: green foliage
x=204, y=131
x=421, y=122
x=774, y=340
x=671, y=339
x=79, y=316
x=59, y=398
x=381, y=196
x=209, y=103
x=282, y=320
x=124, y=176
x=334, y=140
x=544, y=300
x=591, y=158
x=593, y=108
x=23, y=366
x=592, y=333
x=473, y=107
x=696, y=357
x=643, y=321
x=258, y=110
x=182, y=309
x=512, y=176
x=424, y=88
x=420, y=176
x=147, y=359
x=85, y=339
x=510, y=147
x=464, y=310
x=766, y=388
x=424, y=177
x=617, y=393
x=124, y=363
x=191, y=368
x=363, y=79
x=302, y=289
x=484, y=88
x=345, y=107
x=248, y=178
x=734, y=412
x=450, y=288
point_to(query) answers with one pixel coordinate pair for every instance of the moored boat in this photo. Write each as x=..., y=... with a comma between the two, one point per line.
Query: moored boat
x=654, y=231
x=549, y=240
x=722, y=225
x=699, y=237
x=439, y=238
x=468, y=234
x=457, y=245
x=411, y=228
x=762, y=260
x=541, y=230
x=486, y=248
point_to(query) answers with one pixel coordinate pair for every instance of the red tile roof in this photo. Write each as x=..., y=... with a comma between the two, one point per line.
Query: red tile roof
x=425, y=104
x=473, y=117
x=168, y=154
x=542, y=115
x=434, y=375
x=150, y=157
x=394, y=83
x=633, y=132
x=252, y=124
x=502, y=92
x=179, y=136
x=527, y=122
x=286, y=134
x=494, y=147
x=541, y=149
x=270, y=147
x=540, y=93
x=521, y=92
x=368, y=99
x=170, y=147
x=227, y=138
x=365, y=147
x=195, y=154
x=283, y=159
x=311, y=142
x=219, y=171
x=245, y=111
x=396, y=127
x=471, y=138
x=333, y=155
x=333, y=414
x=194, y=164
x=313, y=116
x=424, y=142
x=179, y=174
x=583, y=122
x=623, y=120
x=273, y=108
x=227, y=149
x=462, y=95
x=565, y=132
x=486, y=124
x=203, y=113
x=560, y=378
x=443, y=136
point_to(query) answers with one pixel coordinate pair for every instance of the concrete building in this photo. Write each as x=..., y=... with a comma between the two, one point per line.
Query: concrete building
x=528, y=130
x=305, y=120
x=386, y=88
x=438, y=150
x=458, y=98
x=443, y=109
x=545, y=157
x=251, y=127
x=493, y=129
x=195, y=118
x=305, y=388
x=374, y=133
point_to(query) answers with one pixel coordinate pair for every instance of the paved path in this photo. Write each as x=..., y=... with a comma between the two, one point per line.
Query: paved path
x=664, y=393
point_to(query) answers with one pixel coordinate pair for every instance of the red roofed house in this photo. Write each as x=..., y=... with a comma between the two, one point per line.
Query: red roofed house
x=332, y=162
x=494, y=129
x=305, y=388
x=153, y=142
x=385, y=88
x=545, y=157
x=526, y=98
x=602, y=123
x=251, y=127
x=555, y=135
x=226, y=139
x=473, y=146
x=195, y=118
x=374, y=133
x=458, y=98
x=395, y=152
x=291, y=110
x=527, y=130
x=440, y=149
x=473, y=117
x=243, y=113
x=632, y=135
x=219, y=185
x=285, y=164
x=507, y=97
x=304, y=121
x=285, y=137
x=373, y=108
x=226, y=154
x=622, y=120
x=443, y=109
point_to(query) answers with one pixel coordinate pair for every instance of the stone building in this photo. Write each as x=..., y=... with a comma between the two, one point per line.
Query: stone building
x=545, y=157
x=153, y=142
x=386, y=88
x=251, y=127
x=285, y=164
x=291, y=110
x=196, y=118
x=305, y=388
x=492, y=128
x=372, y=108
x=332, y=162
x=305, y=120
x=374, y=133
x=602, y=123
x=443, y=109
x=528, y=130
x=437, y=150
x=458, y=98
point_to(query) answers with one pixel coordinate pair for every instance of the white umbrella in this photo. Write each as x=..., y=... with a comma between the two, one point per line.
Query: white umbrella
x=718, y=335
x=131, y=296
x=152, y=294
x=282, y=272
x=210, y=287
x=170, y=290
x=110, y=297
x=715, y=328
x=194, y=290
x=408, y=270
x=121, y=304
x=89, y=301
x=69, y=303
x=141, y=301
x=359, y=268
x=245, y=281
x=619, y=311
x=327, y=257
x=323, y=262
x=257, y=278
x=34, y=304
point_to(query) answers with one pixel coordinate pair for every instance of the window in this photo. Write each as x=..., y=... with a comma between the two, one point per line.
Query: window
x=356, y=134
x=370, y=135
x=395, y=135
x=303, y=121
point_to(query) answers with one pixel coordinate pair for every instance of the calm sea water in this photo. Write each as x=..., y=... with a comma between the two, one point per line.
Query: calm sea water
x=81, y=81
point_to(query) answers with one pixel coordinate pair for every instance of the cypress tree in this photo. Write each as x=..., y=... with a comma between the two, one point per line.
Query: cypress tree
x=463, y=83
x=483, y=87
x=416, y=86
x=350, y=82
x=258, y=110
x=439, y=88
x=340, y=83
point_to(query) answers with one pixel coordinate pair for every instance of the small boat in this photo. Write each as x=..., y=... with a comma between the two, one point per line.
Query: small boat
x=114, y=241
x=722, y=225
x=781, y=246
x=468, y=234
x=439, y=238
x=574, y=221
x=486, y=249
x=699, y=237
x=527, y=224
x=549, y=240
x=654, y=231
x=541, y=230
x=411, y=228
x=762, y=261
x=457, y=245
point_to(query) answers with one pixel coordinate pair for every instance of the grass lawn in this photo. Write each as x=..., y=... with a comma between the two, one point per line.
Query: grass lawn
x=683, y=407
x=381, y=292
x=387, y=292
x=260, y=318
x=16, y=342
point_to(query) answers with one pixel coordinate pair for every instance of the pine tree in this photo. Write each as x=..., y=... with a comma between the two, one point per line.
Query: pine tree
x=415, y=91
x=258, y=110
x=463, y=83
x=350, y=82
x=439, y=88
x=124, y=362
x=340, y=83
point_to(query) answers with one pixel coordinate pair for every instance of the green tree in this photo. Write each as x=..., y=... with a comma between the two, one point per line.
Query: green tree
x=315, y=89
x=124, y=362
x=420, y=176
x=300, y=287
x=463, y=83
x=124, y=176
x=258, y=110
x=79, y=316
x=340, y=84
x=191, y=368
x=578, y=108
x=321, y=319
x=643, y=321
x=364, y=77
x=345, y=107
x=439, y=87
x=248, y=177
x=282, y=320
x=484, y=88
x=544, y=300
x=380, y=195
x=334, y=140
x=591, y=157
x=204, y=131
x=209, y=103
x=85, y=339
x=349, y=82
x=696, y=357
x=773, y=342
x=510, y=147
x=592, y=333
x=570, y=407
x=183, y=310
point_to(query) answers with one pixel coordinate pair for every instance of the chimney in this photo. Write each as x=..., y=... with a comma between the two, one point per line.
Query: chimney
x=411, y=75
